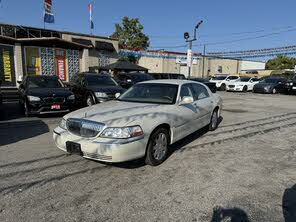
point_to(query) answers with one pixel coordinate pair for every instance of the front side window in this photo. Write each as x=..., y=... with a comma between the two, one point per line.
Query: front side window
x=233, y=77
x=199, y=92
x=186, y=91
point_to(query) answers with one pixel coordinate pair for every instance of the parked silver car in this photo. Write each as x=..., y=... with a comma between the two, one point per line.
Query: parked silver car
x=142, y=122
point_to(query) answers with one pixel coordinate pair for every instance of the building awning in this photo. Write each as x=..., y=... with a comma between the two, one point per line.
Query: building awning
x=7, y=40
x=86, y=42
x=51, y=42
x=122, y=66
x=105, y=46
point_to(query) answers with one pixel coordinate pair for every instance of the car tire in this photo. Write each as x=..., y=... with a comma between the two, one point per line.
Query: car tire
x=214, y=121
x=274, y=91
x=157, y=149
x=245, y=89
x=223, y=87
x=90, y=100
x=27, y=110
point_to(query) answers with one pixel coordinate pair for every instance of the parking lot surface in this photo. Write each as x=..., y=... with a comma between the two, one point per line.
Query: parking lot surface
x=243, y=170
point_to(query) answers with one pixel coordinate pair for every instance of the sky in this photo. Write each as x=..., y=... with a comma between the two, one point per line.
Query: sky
x=229, y=25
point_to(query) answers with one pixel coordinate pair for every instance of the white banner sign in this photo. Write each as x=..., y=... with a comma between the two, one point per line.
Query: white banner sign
x=189, y=58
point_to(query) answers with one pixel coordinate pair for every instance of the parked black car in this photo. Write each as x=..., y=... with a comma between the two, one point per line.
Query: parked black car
x=291, y=85
x=126, y=80
x=211, y=85
x=92, y=88
x=167, y=76
x=271, y=85
x=45, y=94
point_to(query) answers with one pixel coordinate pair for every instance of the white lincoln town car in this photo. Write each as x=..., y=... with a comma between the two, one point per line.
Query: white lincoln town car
x=142, y=122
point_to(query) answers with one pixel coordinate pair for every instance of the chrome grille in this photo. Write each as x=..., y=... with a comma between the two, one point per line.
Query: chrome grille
x=231, y=86
x=54, y=100
x=84, y=128
x=97, y=156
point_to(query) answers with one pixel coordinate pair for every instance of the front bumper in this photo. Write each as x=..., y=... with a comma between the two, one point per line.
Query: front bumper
x=44, y=108
x=262, y=90
x=235, y=88
x=103, y=149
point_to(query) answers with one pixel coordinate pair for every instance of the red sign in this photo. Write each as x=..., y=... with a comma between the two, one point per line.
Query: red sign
x=61, y=65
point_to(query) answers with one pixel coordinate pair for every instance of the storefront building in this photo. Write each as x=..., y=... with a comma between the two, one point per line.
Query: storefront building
x=33, y=51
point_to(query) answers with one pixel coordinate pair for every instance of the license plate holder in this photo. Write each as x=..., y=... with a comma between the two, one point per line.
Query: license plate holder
x=73, y=148
x=56, y=106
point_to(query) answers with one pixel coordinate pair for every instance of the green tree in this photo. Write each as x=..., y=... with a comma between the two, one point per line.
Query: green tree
x=130, y=34
x=281, y=62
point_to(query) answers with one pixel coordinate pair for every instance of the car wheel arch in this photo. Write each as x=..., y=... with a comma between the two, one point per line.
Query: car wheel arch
x=163, y=125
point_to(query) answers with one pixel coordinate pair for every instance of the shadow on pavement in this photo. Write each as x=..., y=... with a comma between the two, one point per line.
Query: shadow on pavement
x=289, y=204
x=10, y=111
x=16, y=131
x=233, y=214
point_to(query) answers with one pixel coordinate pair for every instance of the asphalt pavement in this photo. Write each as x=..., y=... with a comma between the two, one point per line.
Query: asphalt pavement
x=244, y=171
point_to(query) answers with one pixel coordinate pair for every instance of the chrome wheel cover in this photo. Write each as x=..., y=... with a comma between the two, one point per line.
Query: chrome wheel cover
x=160, y=146
x=214, y=119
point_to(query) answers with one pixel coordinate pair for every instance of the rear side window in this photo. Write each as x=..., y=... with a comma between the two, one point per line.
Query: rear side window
x=199, y=91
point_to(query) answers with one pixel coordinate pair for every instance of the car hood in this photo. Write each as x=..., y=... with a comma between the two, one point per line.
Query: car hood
x=43, y=92
x=116, y=113
x=107, y=89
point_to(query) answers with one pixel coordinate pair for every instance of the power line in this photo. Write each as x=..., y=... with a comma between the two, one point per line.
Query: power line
x=230, y=41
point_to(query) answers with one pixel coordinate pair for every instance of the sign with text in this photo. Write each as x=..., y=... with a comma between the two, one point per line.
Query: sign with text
x=189, y=57
x=7, y=72
x=61, y=64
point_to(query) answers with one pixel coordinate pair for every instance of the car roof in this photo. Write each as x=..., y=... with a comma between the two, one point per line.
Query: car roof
x=169, y=81
x=93, y=74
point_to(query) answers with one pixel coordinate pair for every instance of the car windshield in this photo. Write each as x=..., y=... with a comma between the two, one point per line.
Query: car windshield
x=140, y=77
x=219, y=78
x=44, y=82
x=271, y=80
x=99, y=80
x=151, y=93
x=245, y=79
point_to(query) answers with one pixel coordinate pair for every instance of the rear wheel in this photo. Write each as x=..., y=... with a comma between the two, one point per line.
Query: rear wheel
x=214, y=120
x=157, y=149
x=223, y=87
x=90, y=101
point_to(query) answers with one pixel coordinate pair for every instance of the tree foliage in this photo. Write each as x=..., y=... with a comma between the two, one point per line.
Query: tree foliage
x=281, y=62
x=130, y=34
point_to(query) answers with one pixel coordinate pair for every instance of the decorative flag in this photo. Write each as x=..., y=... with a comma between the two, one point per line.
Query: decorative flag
x=48, y=12
x=90, y=16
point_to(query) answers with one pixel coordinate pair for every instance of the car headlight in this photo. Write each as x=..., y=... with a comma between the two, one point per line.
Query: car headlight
x=122, y=132
x=101, y=95
x=33, y=98
x=63, y=124
x=291, y=84
x=72, y=97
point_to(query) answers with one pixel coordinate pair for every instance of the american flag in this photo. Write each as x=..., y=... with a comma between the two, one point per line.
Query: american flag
x=90, y=16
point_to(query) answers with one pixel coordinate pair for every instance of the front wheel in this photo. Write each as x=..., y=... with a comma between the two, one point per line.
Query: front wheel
x=27, y=110
x=90, y=101
x=223, y=87
x=157, y=149
x=274, y=91
x=214, y=121
x=245, y=89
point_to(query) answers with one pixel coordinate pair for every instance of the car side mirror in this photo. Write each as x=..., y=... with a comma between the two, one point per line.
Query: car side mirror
x=117, y=95
x=186, y=100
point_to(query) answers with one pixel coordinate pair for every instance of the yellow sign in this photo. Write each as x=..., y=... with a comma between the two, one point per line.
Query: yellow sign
x=7, y=66
x=33, y=61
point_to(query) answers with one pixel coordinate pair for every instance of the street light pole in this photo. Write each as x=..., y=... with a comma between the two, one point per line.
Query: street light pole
x=189, y=52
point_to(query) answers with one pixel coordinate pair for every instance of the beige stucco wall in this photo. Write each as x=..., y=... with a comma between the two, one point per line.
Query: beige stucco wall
x=168, y=64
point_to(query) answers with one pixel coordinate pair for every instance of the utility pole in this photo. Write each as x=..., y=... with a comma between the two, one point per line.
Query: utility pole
x=203, y=61
x=189, y=52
